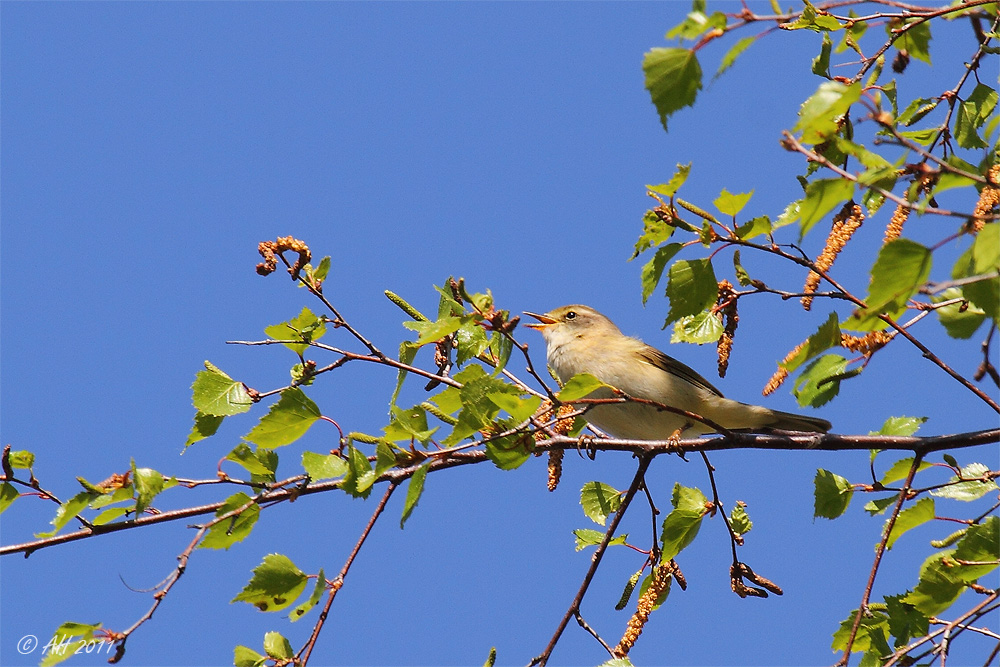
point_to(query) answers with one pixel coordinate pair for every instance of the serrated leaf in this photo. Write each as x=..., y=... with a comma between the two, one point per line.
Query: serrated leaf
x=410, y=424
x=832, y=494
x=822, y=196
x=204, y=427
x=733, y=53
x=820, y=114
x=970, y=489
x=147, y=483
x=820, y=381
x=754, y=227
x=64, y=644
x=903, y=426
x=470, y=342
x=705, y=327
x=740, y=520
x=681, y=526
x=286, y=421
x=275, y=584
x=413, y=492
x=68, y=510
x=579, y=386
x=958, y=322
x=303, y=608
x=244, y=656
x=599, y=501
x=587, y=537
x=652, y=270
x=731, y=204
x=669, y=188
x=943, y=578
x=520, y=408
x=254, y=462
x=430, y=332
x=919, y=513
x=8, y=494
x=215, y=393
x=323, y=466
x=21, y=458
x=510, y=451
x=902, y=267
x=673, y=79
x=407, y=352
x=278, y=647
x=915, y=41
x=691, y=288
x=873, y=631
x=358, y=468
x=305, y=327
x=236, y=528
x=878, y=506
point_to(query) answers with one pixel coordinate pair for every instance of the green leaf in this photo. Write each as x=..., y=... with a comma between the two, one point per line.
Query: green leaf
x=821, y=63
x=705, y=327
x=827, y=336
x=247, y=657
x=652, y=271
x=832, y=494
x=261, y=463
x=313, y=600
x=215, y=393
x=904, y=426
x=740, y=520
x=905, y=622
x=691, y=288
x=754, y=227
x=822, y=196
x=669, y=188
x=920, y=513
x=878, y=506
x=673, y=79
x=64, y=643
x=731, y=204
x=275, y=584
x=943, y=578
x=579, y=386
x=820, y=381
x=431, y=332
x=323, y=466
x=305, y=327
x=902, y=267
x=478, y=411
x=413, y=492
x=970, y=489
x=204, y=427
x=407, y=352
x=917, y=109
x=8, y=494
x=959, y=323
x=110, y=514
x=820, y=115
x=358, y=469
x=599, y=501
x=733, y=53
x=148, y=483
x=500, y=348
x=681, y=526
x=916, y=39
x=587, y=537
x=520, y=408
x=873, y=631
x=510, y=451
x=68, y=510
x=21, y=458
x=741, y=274
x=278, y=647
x=286, y=421
x=409, y=425
x=236, y=528
x=470, y=342
x=813, y=19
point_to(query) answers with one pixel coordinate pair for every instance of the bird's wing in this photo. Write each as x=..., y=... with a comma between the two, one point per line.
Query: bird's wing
x=671, y=365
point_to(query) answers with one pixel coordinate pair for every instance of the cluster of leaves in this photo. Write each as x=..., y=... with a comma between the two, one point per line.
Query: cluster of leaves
x=862, y=142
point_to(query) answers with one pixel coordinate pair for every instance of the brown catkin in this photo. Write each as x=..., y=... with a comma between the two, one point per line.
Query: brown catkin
x=661, y=579
x=868, y=344
x=895, y=226
x=555, y=468
x=845, y=223
x=725, y=309
x=989, y=199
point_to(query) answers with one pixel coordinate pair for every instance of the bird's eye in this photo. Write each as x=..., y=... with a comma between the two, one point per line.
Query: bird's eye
x=571, y=315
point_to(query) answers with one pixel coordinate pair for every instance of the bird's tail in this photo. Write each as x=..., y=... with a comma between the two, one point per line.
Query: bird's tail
x=787, y=421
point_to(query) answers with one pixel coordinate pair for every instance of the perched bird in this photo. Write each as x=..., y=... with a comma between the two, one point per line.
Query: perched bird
x=581, y=340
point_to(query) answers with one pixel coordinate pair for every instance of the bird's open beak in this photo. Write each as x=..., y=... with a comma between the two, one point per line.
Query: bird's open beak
x=543, y=321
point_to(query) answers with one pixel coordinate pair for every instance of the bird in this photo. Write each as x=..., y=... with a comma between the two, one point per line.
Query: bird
x=581, y=340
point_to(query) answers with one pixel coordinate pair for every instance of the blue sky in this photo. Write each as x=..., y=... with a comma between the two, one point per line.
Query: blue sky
x=148, y=147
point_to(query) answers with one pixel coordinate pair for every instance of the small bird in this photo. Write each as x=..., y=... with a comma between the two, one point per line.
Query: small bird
x=581, y=340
